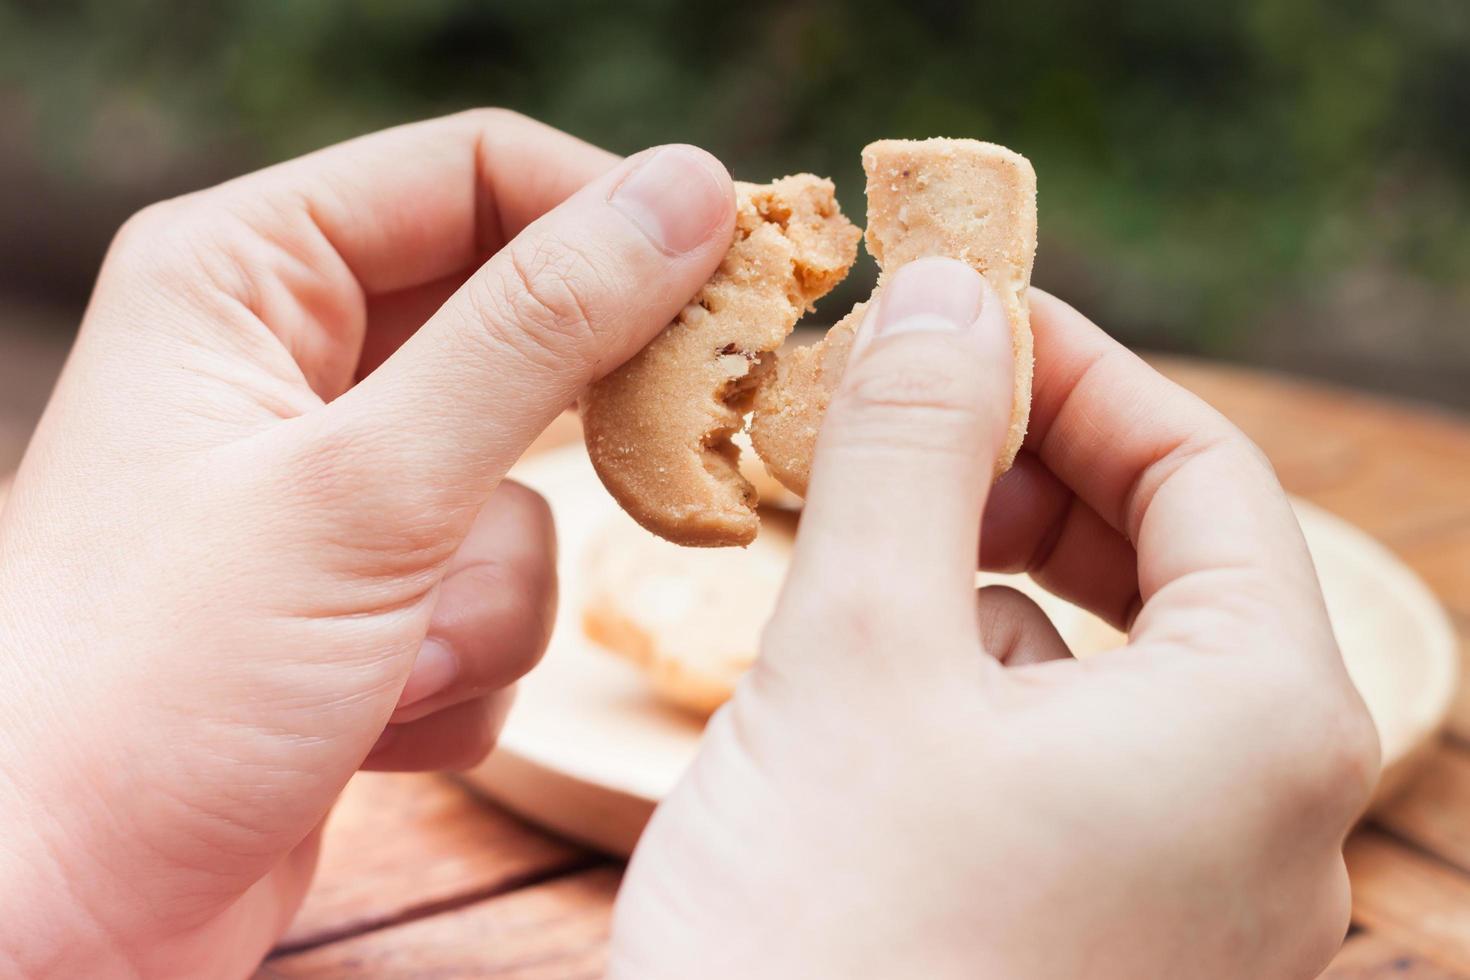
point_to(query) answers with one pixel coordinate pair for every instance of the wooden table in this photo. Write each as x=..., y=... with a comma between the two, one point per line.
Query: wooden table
x=420, y=878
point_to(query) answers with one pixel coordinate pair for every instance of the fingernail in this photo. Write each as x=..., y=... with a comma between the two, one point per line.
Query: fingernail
x=675, y=197
x=929, y=294
x=434, y=669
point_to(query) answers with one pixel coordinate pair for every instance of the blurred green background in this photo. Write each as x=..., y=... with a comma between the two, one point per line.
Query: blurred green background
x=1283, y=182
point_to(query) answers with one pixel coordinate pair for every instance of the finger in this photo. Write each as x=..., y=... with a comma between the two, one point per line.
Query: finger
x=575, y=294
x=459, y=737
x=495, y=608
x=416, y=203
x=1034, y=524
x=1015, y=630
x=1210, y=522
x=302, y=247
x=907, y=452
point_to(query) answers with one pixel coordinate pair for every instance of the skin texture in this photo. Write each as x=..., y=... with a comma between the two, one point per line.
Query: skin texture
x=222, y=558
x=916, y=780
x=226, y=562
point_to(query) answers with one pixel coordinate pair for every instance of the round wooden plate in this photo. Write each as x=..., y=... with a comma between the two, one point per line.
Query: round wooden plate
x=588, y=750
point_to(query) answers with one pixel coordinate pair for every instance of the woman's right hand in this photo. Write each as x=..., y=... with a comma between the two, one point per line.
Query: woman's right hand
x=919, y=780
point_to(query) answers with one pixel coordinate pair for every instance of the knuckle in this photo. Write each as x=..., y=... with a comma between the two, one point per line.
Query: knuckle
x=1231, y=609
x=327, y=464
x=1245, y=445
x=252, y=244
x=157, y=235
x=863, y=610
x=146, y=223
x=1334, y=764
x=852, y=615
x=539, y=306
x=1233, y=441
x=493, y=117
x=1351, y=762
x=910, y=378
x=842, y=614
x=195, y=248
x=387, y=525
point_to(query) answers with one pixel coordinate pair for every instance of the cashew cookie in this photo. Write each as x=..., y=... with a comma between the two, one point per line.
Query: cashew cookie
x=658, y=428
x=959, y=198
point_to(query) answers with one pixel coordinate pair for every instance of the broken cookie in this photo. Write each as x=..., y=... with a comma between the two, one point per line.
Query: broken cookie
x=962, y=199
x=658, y=428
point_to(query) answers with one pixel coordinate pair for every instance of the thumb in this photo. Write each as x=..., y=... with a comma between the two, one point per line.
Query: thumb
x=907, y=452
x=574, y=295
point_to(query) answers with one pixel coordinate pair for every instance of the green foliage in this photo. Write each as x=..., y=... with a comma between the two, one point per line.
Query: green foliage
x=1199, y=157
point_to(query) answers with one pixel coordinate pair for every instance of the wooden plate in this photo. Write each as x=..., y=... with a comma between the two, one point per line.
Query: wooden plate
x=588, y=751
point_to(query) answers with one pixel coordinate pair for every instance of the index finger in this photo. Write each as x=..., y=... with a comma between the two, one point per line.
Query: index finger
x=1213, y=527
x=419, y=202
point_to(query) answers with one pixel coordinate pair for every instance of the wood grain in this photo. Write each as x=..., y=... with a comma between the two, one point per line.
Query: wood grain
x=1434, y=813
x=1459, y=721
x=1410, y=898
x=399, y=845
x=1400, y=494
x=1401, y=471
x=1367, y=956
x=1443, y=561
x=1307, y=445
x=1397, y=470
x=419, y=878
x=553, y=931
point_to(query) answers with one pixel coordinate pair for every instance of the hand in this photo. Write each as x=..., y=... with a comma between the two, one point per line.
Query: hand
x=260, y=519
x=919, y=780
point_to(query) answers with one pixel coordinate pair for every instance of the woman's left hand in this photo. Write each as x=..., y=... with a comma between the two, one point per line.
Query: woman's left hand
x=260, y=539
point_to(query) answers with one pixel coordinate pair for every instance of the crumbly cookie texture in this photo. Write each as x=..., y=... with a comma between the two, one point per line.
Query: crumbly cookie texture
x=658, y=428
x=964, y=199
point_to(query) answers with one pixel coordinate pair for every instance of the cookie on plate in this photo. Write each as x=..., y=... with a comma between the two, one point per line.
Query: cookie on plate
x=691, y=619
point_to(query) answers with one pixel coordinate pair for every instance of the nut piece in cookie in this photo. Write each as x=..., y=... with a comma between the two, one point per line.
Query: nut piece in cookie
x=962, y=199
x=658, y=428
